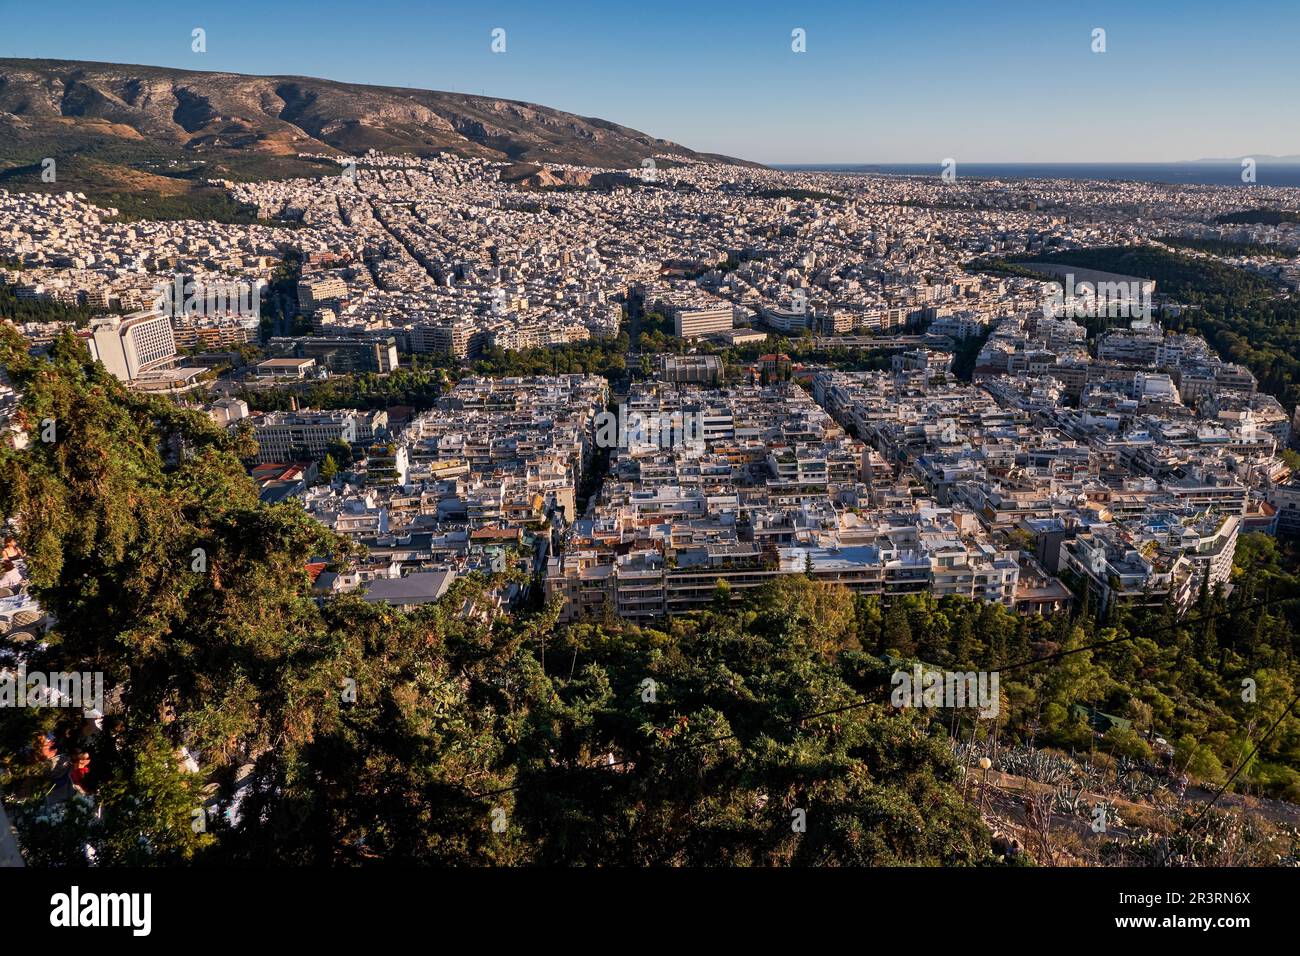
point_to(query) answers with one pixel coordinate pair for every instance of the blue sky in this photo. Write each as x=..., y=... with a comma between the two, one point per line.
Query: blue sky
x=880, y=82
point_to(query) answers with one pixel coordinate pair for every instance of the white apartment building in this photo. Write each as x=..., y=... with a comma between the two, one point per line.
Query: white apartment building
x=129, y=346
x=789, y=321
x=311, y=292
x=698, y=323
x=280, y=434
x=445, y=338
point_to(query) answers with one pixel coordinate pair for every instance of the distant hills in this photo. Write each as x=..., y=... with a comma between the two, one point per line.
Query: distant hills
x=1258, y=157
x=147, y=128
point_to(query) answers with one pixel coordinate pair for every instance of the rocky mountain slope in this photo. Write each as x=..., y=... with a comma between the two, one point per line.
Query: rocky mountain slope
x=115, y=111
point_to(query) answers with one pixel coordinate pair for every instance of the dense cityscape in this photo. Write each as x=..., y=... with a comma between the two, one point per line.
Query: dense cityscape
x=1130, y=463
x=399, y=477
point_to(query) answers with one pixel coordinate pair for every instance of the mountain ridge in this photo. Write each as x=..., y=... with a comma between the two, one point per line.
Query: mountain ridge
x=78, y=105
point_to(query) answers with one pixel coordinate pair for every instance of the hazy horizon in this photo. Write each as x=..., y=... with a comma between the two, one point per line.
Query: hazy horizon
x=1260, y=158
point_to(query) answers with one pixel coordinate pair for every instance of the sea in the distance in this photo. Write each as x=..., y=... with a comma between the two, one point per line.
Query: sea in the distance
x=1201, y=174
